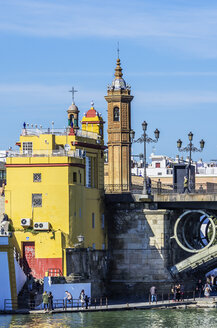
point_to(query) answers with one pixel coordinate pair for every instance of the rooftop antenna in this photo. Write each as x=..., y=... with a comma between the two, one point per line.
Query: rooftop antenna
x=118, y=50
x=73, y=94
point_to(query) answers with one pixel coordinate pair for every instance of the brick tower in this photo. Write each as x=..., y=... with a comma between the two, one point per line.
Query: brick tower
x=119, y=127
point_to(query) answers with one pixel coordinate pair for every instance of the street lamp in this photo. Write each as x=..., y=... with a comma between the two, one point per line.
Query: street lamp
x=146, y=139
x=190, y=148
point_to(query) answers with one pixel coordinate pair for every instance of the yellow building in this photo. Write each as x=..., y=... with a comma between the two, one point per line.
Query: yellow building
x=54, y=191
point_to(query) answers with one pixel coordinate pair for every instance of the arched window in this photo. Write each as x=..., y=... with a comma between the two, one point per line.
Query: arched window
x=116, y=114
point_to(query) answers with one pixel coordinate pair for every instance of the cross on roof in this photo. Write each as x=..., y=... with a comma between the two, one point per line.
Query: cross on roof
x=118, y=50
x=73, y=94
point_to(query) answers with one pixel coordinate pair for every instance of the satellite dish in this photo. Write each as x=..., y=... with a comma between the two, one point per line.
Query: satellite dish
x=67, y=147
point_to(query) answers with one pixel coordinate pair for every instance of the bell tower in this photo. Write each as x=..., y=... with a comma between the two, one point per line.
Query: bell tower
x=119, y=127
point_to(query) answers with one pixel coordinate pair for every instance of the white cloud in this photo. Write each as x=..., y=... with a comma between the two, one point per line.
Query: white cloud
x=187, y=26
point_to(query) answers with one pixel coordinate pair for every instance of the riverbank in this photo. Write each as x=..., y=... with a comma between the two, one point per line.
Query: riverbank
x=191, y=303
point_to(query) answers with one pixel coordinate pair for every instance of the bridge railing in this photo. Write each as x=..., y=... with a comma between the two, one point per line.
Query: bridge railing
x=157, y=187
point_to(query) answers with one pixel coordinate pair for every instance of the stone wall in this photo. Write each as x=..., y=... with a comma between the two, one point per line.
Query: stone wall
x=88, y=266
x=139, y=249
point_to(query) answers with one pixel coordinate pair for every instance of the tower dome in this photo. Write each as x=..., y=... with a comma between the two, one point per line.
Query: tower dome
x=93, y=121
x=73, y=113
x=118, y=83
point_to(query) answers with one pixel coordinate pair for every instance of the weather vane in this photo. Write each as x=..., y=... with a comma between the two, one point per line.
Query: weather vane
x=73, y=94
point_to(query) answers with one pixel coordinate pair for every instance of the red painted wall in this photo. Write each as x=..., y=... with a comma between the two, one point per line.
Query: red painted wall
x=38, y=266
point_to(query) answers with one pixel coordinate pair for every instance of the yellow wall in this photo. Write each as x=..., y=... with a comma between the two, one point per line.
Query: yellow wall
x=66, y=205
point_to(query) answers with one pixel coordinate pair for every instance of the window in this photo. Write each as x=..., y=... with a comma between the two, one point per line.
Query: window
x=116, y=115
x=103, y=221
x=103, y=246
x=27, y=148
x=88, y=172
x=157, y=165
x=36, y=200
x=94, y=246
x=36, y=177
x=74, y=177
x=93, y=220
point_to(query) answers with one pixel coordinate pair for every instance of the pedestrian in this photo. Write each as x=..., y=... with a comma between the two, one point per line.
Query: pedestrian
x=173, y=290
x=153, y=291
x=50, y=301
x=86, y=301
x=207, y=289
x=82, y=298
x=199, y=288
x=45, y=300
x=68, y=298
x=178, y=292
x=185, y=184
x=148, y=185
x=182, y=290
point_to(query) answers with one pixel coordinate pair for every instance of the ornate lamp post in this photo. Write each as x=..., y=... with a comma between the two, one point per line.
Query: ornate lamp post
x=146, y=139
x=190, y=148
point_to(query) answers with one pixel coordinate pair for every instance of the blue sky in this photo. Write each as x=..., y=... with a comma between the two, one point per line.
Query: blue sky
x=168, y=52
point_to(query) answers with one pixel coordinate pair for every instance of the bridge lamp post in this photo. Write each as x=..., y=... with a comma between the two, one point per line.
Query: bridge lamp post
x=190, y=148
x=146, y=139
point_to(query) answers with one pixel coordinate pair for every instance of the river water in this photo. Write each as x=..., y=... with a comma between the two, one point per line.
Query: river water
x=194, y=318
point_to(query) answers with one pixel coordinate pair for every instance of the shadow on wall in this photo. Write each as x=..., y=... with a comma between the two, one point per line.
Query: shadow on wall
x=138, y=249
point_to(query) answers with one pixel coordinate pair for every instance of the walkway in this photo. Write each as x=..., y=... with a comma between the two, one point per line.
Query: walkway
x=191, y=303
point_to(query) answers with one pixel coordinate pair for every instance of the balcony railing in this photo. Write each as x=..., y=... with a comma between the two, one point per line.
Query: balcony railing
x=58, y=132
x=78, y=153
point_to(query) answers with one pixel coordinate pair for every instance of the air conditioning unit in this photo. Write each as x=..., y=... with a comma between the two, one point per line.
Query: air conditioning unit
x=26, y=222
x=41, y=226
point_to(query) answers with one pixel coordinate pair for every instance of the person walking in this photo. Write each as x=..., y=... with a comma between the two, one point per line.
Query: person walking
x=185, y=184
x=86, y=301
x=82, y=298
x=50, y=301
x=153, y=291
x=178, y=292
x=182, y=290
x=207, y=289
x=148, y=185
x=173, y=290
x=199, y=288
x=45, y=300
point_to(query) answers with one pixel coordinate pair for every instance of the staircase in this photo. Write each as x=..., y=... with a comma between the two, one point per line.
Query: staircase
x=30, y=299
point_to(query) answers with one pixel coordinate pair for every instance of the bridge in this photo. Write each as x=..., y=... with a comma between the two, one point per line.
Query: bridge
x=172, y=230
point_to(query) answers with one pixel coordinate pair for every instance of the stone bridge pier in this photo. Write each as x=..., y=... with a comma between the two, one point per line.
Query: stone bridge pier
x=140, y=249
x=157, y=243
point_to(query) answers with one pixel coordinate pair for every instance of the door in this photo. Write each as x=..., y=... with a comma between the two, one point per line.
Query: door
x=29, y=261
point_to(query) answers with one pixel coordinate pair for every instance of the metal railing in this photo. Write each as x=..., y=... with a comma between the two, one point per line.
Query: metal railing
x=38, y=132
x=78, y=153
x=54, y=272
x=104, y=303
x=157, y=187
